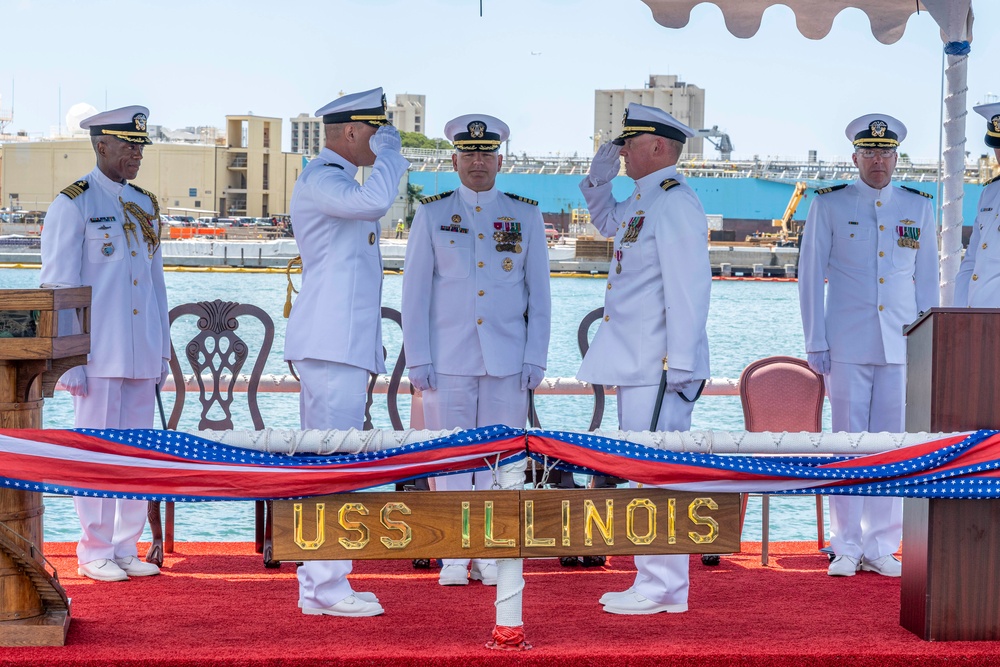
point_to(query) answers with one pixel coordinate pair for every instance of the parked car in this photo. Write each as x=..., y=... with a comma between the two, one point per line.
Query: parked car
x=551, y=233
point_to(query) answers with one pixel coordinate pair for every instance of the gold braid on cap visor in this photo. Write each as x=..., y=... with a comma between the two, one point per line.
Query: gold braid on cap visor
x=874, y=141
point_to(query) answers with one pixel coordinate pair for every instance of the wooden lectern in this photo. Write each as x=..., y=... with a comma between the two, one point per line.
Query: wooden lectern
x=34, y=353
x=950, y=587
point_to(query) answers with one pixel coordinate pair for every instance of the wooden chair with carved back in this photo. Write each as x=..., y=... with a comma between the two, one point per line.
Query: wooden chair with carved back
x=218, y=356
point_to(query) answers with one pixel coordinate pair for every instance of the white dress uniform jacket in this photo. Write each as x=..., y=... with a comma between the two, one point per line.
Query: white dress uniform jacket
x=878, y=250
x=658, y=304
x=978, y=282
x=338, y=314
x=84, y=242
x=464, y=300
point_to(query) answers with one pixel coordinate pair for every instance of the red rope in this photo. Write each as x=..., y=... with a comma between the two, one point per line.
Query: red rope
x=508, y=638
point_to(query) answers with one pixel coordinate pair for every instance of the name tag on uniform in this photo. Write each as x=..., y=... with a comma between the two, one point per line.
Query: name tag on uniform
x=455, y=229
x=853, y=222
x=109, y=218
x=986, y=210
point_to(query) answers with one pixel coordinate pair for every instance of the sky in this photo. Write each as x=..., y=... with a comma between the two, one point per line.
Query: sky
x=533, y=63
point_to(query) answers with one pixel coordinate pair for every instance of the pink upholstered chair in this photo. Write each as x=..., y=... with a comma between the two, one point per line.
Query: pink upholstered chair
x=782, y=394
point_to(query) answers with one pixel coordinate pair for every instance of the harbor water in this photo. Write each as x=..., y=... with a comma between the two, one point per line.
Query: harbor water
x=747, y=321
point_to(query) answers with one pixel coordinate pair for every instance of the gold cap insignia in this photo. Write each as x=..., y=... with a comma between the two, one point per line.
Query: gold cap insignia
x=140, y=122
x=477, y=129
x=456, y=218
x=878, y=128
x=625, y=117
x=384, y=105
x=996, y=123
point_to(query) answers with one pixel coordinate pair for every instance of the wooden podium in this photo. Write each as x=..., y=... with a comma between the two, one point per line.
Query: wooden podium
x=34, y=353
x=950, y=586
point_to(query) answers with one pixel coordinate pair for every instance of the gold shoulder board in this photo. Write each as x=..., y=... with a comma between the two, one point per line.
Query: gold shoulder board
x=992, y=180
x=428, y=200
x=832, y=188
x=520, y=198
x=917, y=192
x=669, y=183
x=75, y=190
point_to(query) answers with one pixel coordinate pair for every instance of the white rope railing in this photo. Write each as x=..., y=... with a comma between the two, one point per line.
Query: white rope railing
x=557, y=386
x=288, y=441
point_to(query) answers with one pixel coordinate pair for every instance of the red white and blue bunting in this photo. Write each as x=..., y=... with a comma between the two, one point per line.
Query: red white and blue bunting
x=177, y=466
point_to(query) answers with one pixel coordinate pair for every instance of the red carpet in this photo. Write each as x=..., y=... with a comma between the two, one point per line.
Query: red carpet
x=215, y=604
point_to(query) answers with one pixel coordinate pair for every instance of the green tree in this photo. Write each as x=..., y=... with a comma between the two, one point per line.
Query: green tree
x=418, y=140
x=412, y=196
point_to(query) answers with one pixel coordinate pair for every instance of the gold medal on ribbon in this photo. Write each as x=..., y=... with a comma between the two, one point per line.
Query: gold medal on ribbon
x=517, y=247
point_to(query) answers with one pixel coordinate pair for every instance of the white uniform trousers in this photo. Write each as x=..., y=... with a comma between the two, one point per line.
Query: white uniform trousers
x=332, y=396
x=866, y=398
x=462, y=401
x=112, y=527
x=662, y=579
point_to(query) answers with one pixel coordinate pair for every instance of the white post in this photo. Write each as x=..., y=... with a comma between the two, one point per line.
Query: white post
x=956, y=76
x=508, y=634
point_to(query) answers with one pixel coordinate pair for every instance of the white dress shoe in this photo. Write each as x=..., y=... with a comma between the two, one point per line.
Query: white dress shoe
x=843, y=566
x=363, y=596
x=134, y=567
x=608, y=597
x=453, y=575
x=484, y=572
x=103, y=569
x=887, y=566
x=352, y=605
x=634, y=604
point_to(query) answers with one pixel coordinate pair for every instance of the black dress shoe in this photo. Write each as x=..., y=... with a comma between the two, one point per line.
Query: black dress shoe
x=711, y=559
x=569, y=561
x=594, y=561
x=422, y=563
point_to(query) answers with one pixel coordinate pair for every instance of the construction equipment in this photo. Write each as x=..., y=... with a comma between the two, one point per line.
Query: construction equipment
x=790, y=232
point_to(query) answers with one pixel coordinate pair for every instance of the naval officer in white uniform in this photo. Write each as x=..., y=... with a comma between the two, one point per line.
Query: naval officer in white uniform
x=104, y=232
x=334, y=336
x=876, y=245
x=655, y=309
x=476, y=305
x=977, y=284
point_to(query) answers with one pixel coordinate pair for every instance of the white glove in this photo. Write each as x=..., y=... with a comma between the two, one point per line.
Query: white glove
x=164, y=372
x=678, y=380
x=75, y=381
x=605, y=165
x=819, y=361
x=531, y=376
x=386, y=138
x=423, y=377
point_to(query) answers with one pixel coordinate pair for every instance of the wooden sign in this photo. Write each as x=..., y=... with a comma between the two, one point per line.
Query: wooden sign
x=505, y=524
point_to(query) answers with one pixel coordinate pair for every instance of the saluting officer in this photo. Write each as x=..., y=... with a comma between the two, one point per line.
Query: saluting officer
x=655, y=309
x=334, y=335
x=476, y=305
x=104, y=232
x=876, y=246
x=978, y=282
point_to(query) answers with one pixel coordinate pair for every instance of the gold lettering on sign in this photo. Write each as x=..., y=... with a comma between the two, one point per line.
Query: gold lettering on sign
x=672, y=521
x=565, y=523
x=646, y=504
x=713, y=525
x=310, y=545
x=591, y=517
x=353, y=526
x=466, y=529
x=490, y=541
x=529, y=528
x=401, y=526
